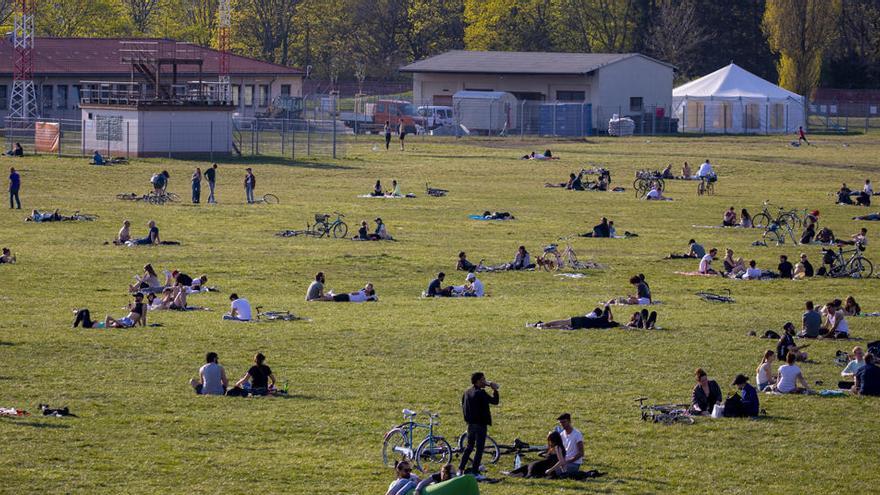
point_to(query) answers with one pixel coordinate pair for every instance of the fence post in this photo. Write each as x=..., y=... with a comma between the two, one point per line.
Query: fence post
x=257, y=141
x=128, y=139
x=60, y=137
x=283, y=135
x=211, y=141
x=308, y=138
x=334, y=138
x=522, y=120
x=654, y=121
x=293, y=143
x=555, y=106
x=867, y=115
x=82, y=137
x=170, y=136
x=108, y=139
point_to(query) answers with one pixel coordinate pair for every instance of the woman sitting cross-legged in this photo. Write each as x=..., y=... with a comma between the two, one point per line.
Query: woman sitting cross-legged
x=551, y=466
x=258, y=376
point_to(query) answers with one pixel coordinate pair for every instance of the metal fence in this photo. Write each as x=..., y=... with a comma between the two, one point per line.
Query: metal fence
x=844, y=116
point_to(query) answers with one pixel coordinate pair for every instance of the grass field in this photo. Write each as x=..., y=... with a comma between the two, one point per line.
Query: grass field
x=355, y=366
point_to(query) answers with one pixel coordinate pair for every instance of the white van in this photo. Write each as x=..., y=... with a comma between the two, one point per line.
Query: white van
x=435, y=116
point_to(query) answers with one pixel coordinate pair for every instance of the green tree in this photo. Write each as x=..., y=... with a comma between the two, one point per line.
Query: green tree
x=518, y=25
x=855, y=58
x=141, y=13
x=800, y=31
x=81, y=18
x=187, y=20
x=599, y=25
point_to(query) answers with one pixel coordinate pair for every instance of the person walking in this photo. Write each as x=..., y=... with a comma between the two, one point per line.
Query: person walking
x=475, y=408
x=211, y=177
x=401, y=132
x=249, y=183
x=197, y=185
x=387, y=131
x=14, y=186
x=802, y=136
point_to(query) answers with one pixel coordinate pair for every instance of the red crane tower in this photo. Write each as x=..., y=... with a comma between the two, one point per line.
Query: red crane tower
x=23, y=101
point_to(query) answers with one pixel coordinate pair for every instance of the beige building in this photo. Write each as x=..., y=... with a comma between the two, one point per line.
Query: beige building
x=61, y=65
x=625, y=83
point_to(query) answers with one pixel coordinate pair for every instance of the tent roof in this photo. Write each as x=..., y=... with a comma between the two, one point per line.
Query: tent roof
x=733, y=82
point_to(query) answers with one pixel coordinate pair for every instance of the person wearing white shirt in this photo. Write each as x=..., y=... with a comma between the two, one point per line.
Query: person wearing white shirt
x=706, y=170
x=474, y=287
x=706, y=263
x=573, y=441
x=836, y=325
x=753, y=273
x=656, y=195
x=868, y=189
x=790, y=376
x=851, y=368
x=240, y=309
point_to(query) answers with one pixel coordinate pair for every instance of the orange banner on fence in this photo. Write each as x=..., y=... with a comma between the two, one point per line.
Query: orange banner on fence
x=46, y=137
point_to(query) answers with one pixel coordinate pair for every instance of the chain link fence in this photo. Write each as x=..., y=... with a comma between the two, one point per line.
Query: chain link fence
x=844, y=116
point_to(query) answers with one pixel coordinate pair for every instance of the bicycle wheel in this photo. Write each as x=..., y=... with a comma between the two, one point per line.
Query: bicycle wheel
x=490, y=451
x=340, y=230
x=392, y=447
x=270, y=199
x=710, y=188
x=790, y=219
x=156, y=200
x=432, y=453
x=860, y=268
x=322, y=229
x=761, y=221
x=701, y=188
x=685, y=420
x=774, y=235
x=170, y=196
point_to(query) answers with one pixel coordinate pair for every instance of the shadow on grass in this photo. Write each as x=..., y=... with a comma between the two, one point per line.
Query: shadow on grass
x=3, y=343
x=50, y=426
x=268, y=160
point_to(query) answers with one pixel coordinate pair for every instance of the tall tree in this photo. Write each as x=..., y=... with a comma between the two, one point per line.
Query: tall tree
x=141, y=13
x=800, y=31
x=265, y=27
x=855, y=59
x=518, y=25
x=188, y=20
x=80, y=18
x=676, y=35
x=599, y=25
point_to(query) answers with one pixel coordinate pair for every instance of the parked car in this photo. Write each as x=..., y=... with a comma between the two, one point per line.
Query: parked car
x=374, y=115
x=435, y=116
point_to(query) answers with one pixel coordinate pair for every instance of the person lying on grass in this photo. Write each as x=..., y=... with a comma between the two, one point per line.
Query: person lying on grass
x=729, y=219
x=656, y=195
x=705, y=395
x=860, y=239
x=546, y=155
x=790, y=377
x=7, y=256
x=239, y=309
x=642, y=319
x=45, y=216
x=464, y=265
x=258, y=380
x=705, y=267
x=172, y=298
x=368, y=293
x=212, y=377
x=497, y=215
x=873, y=217
x=598, y=318
x=137, y=315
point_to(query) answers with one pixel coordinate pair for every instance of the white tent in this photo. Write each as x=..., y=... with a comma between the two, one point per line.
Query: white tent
x=732, y=100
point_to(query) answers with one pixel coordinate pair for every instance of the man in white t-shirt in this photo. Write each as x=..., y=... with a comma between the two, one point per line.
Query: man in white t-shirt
x=573, y=441
x=240, y=309
x=753, y=272
x=706, y=170
x=475, y=286
x=706, y=263
x=657, y=195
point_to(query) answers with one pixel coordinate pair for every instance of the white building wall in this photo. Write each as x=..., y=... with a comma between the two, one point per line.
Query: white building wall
x=631, y=77
x=428, y=85
x=122, y=138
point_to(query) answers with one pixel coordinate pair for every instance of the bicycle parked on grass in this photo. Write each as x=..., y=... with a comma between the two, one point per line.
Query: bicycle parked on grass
x=777, y=231
x=269, y=199
x=713, y=297
x=324, y=227
x=856, y=266
x=399, y=443
x=276, y=315
x=646, y=180
x=494, y=450
x=552, y=259
x=762, y=220
x=664, y=413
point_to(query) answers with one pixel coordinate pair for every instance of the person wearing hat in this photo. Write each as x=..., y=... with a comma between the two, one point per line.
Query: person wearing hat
x=381, y=233
x=749, y=404
x=473, y=286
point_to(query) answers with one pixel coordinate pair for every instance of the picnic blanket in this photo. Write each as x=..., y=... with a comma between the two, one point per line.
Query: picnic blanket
x=481, y=217
x=387, y=196
x=697, y=274
x=570, y=275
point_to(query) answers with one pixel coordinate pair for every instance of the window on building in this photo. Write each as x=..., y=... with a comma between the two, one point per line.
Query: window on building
x=249, y=95
x=4, y=97
x=722, y=117
x=75, y=97
x=753, y=116
x=285, y=90
x=61, y=91
x=777, y=116
x=47, y=96
x=635, y=104
x=264, y=95
x=235, y=94
x=576, y=96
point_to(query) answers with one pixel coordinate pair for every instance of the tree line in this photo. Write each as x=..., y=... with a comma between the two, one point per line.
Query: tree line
x=801, y=44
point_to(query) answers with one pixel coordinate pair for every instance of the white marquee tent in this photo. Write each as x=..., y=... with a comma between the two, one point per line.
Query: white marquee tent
x=732, y=100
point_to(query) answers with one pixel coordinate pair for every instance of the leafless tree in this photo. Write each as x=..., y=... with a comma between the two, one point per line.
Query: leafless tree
x=676, y=34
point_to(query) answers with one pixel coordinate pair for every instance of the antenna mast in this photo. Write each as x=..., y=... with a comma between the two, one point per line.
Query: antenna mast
x=23, y=103
x=225, y=87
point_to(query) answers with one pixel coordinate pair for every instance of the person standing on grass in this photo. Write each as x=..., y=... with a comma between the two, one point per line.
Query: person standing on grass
x=573, y=441
x=14, y=187
x=475, y=408
x=401, y=131
x=802, y=136
x=387, y=132
x=211, y=177
x=197, y=185
x=249, y=183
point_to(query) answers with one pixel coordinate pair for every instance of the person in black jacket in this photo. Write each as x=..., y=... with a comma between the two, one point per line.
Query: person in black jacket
x=475, y=407
x=706, y=394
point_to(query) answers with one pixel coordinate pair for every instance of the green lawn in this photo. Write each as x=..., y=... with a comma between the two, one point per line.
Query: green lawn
x=355, y=366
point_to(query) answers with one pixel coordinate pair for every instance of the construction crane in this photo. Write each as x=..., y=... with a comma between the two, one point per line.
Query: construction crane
x=23, y=101
x=225, y=86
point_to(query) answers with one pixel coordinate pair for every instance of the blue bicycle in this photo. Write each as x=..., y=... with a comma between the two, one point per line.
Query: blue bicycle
x=399, y=443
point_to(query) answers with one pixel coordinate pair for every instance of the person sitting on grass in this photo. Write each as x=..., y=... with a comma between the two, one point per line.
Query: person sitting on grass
x=395, y=190
x=212, y=377
x=860, y=239
x=381, y=233
x=574, y=182
x=446, y=473
x=764, y=374
x=686, y=172
x=473, y=286
x=137, y=315
x=124, y=234
x=753, y=272
x=790, y=376
x=733, y=267
x=368, y=293
x=656, y=195
x=16, y=150
x=463, y=264
x=852, y=367
x=825, y=236
x=239, y=309
x=97, y=159
x=315, y=291
x=864, y=197
x=803, y=268
x=851, y=307
x=694, y=251
x=152, y=238
x=808, y=234
x=7, y=256
x=553, y=465
x=259, y=375
x=705, y=267
x=836, y=326
x=522, y=260
x=406, y=482
x=785, y=345
x=729, y=219
x=745, y=404
x=745, y=219
x=148, y=282
x=868, y=378
x=173, y=298
x=705, y=395
x=667, y=172
x=642, y=296
x=84, y=318
x=436, y=289
x=785, y=267
x=38, y=216
x=377, y=190
x=598, y=318
x=641, y=319
x=843, y=195
x=602, y=229
x=363, y=232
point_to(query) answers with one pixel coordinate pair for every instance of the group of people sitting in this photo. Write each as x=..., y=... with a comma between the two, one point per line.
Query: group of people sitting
x=315, y=292
x=863, y=197
x=379, y=234
x=546, y=155
x=705, y=170
x=730, y=220
x=148, y=282
x=259, y=380
x=472, y=287
x=576, y=181
x=861, y=374
x=378, y=191
x=706, y=394
x=124, y=238
x=605, y=228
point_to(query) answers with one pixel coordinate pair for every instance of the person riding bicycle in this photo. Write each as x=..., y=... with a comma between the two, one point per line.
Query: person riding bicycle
x=706, y=172
x=160, y=182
